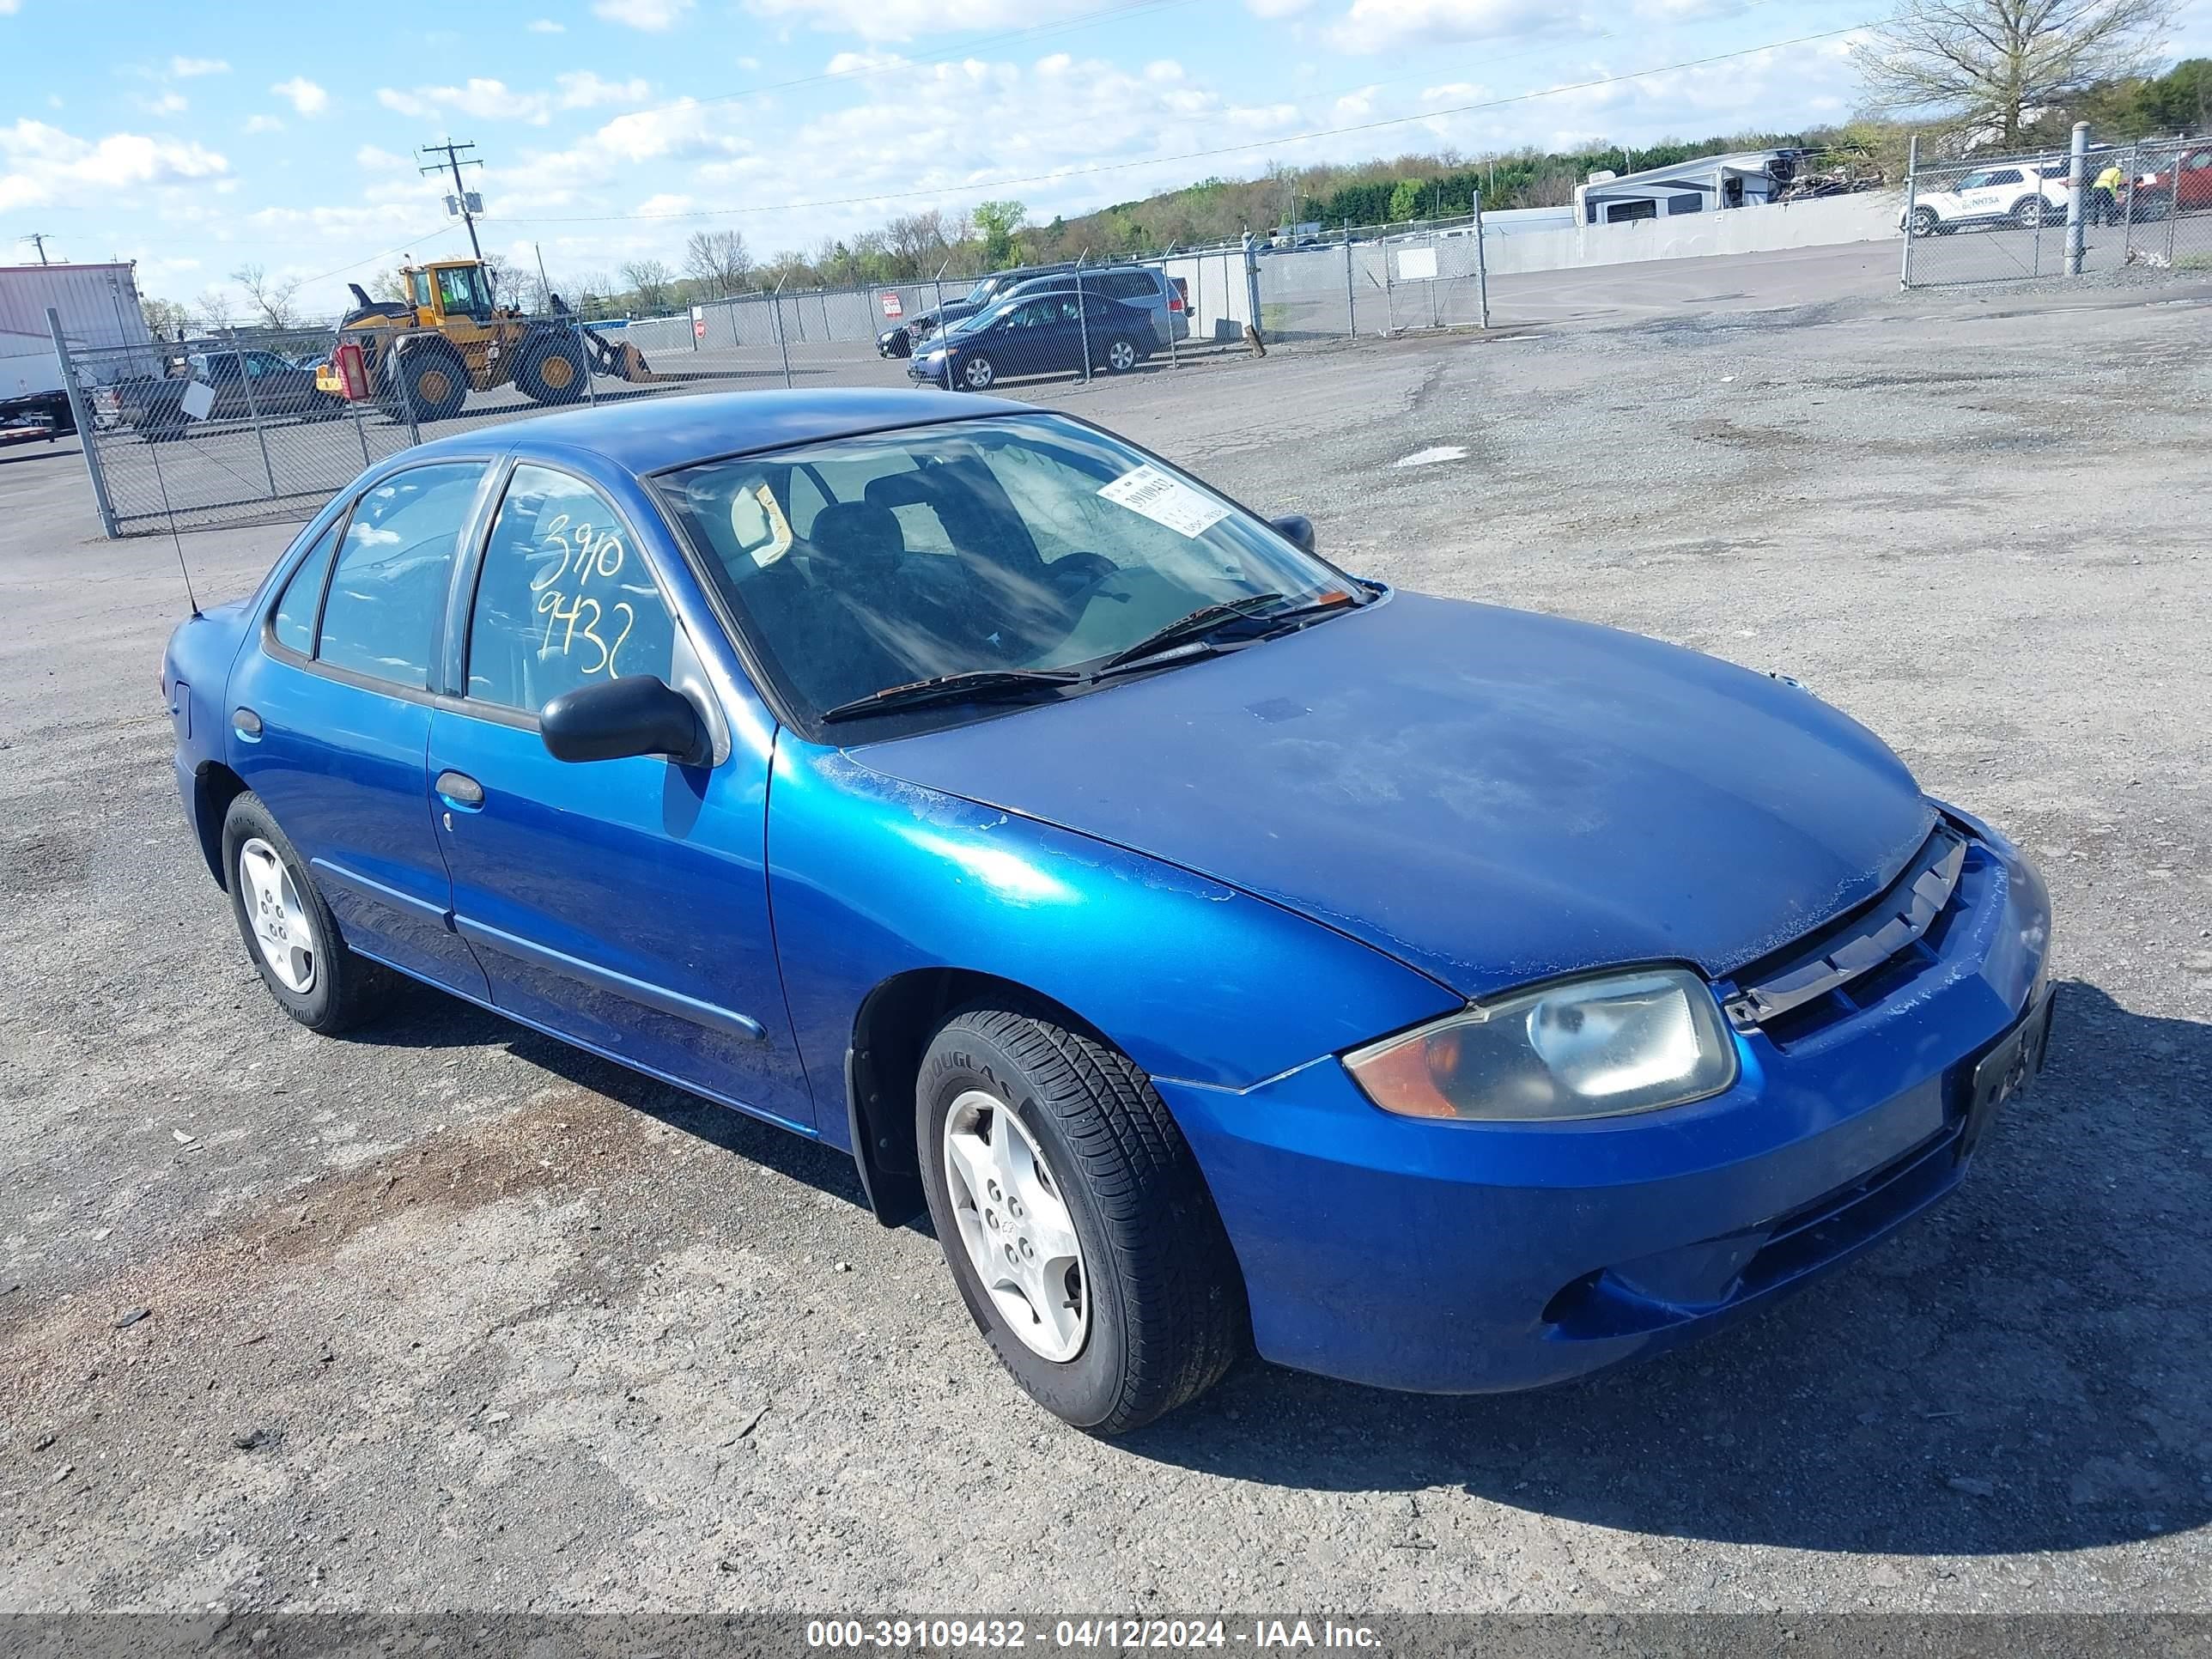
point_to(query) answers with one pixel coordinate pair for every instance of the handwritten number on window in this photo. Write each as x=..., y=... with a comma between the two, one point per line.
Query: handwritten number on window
x=583, y=555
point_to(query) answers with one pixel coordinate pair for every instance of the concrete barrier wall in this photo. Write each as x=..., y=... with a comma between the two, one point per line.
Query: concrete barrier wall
x=1865, y=216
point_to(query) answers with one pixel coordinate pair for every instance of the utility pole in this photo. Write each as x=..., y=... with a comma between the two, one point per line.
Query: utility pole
x=545, y=285
x=38, y=239
x=454, y=162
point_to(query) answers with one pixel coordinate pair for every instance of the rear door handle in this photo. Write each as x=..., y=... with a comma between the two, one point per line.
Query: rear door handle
x=458, y=789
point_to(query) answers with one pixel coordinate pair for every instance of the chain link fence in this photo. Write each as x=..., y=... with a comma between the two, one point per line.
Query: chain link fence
x=1376, y=279
x=2011, y=218
x=250, y=425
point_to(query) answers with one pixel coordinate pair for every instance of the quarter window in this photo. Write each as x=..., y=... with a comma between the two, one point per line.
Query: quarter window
x=564, y=600
x=388, y=591
x=294, y=623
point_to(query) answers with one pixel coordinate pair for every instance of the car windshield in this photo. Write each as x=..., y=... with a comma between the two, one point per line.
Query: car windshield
x=981, y=319
x=1028, y=542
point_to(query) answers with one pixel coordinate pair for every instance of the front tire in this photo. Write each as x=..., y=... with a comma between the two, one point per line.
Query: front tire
x=551, y=371
x=1075, y=1220
x=978, y=373
x=290, y=935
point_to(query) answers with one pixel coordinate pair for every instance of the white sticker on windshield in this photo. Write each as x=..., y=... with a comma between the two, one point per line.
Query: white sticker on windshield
x=1165, y=500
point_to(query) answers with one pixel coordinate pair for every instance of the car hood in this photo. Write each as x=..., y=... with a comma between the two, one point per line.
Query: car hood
x=1491, y=796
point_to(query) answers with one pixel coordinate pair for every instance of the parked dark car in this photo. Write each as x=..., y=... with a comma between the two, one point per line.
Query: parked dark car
x=245, y=384
x=900, y=339
x=1037, y=335
x=39, y=414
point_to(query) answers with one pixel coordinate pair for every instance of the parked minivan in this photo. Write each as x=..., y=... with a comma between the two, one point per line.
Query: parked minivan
x=1147, y=288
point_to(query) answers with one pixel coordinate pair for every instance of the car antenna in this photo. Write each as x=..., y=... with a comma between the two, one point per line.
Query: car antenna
x=175, y=540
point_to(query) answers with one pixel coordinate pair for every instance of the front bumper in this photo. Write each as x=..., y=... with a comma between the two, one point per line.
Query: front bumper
x=934, y=373
x=1478, y=1257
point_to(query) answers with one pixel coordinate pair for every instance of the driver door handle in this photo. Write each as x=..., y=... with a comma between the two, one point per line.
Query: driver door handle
x=458, y=789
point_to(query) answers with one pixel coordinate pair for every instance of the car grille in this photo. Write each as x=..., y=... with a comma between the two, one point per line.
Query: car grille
x=1867, y=955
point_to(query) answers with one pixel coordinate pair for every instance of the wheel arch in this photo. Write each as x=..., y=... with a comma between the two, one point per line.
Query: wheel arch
x=214, y=785
x=891, y=1029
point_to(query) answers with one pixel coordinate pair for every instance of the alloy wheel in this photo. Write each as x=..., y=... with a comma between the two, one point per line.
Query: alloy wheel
x=1016, y=1227
x=279, y=920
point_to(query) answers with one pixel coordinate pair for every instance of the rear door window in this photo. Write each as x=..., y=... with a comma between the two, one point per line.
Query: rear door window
x=388, y=590
x=294, y=622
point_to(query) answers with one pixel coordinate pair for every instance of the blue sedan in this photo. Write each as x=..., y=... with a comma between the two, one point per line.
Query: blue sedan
x=1225, y=950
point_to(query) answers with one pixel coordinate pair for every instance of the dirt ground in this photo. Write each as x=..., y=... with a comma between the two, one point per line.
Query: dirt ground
x=446, y=1316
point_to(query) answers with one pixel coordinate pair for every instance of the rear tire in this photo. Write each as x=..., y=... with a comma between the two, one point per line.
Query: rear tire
x=1924, y=222
x=318, y=981
x=1155, y=1311
x=1121, y=356
x=2028, y=214
x=437, y=380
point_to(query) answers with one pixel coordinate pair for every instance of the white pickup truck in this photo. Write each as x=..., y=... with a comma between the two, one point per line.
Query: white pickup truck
x=2024, y=193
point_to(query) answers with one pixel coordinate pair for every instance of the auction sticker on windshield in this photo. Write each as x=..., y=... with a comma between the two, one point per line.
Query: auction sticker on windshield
x=1166, y=501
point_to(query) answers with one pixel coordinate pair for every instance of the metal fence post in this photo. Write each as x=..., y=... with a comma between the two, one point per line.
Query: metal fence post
x=2173, y=200
x=397, y=369
x=775, y=300
x=2076, y=219
x=1252, y=290
x=584, y=355
x=82, y=415
x=1481, y=265
x=1911, y=195
x=1083, y=315
x=2128, y=214
x=252, y=410
x=1351, y=296
x=360, y=427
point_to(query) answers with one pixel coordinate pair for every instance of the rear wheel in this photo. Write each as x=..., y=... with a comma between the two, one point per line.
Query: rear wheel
x=1121, y=356
x=2029, y=215
x=1074, y=1219
x=1924, y=222
x=435, y=381
x=550, y=369
x=289, y=932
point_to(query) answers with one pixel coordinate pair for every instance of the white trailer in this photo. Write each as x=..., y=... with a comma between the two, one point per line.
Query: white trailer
x=98, y=305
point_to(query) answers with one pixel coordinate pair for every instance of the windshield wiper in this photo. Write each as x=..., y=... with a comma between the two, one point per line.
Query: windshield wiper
x=951, y=688
x=1266, y=611
x=1199, y=623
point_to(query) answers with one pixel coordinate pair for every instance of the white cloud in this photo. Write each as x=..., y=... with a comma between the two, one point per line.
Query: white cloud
x=652, y=15
x=665, y=205
x=1373, y=25
x=263, y=123
x=185, y=68
x=905, y=20
x=547, y=26
x=303, y=95
x=1276, y=8
x=373, y=159
x=8, y=8
x=169, y=103
x=38, y=163
x=493, y=101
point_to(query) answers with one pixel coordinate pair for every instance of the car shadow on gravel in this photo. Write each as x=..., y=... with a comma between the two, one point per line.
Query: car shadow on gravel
x=427, y=1018
x=2023, y=1369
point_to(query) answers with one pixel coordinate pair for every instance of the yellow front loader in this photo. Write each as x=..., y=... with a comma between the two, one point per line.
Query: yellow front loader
x=421, y=357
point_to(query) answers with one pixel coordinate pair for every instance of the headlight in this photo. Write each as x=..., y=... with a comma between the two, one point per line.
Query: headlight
x=1590, y=1048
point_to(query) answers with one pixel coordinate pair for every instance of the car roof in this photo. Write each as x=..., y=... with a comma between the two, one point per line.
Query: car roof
x=647, y=434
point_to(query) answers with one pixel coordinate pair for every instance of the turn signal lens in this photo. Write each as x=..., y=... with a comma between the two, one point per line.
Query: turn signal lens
x=1592, y=1048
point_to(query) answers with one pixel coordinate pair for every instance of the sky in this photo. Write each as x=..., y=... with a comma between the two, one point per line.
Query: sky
x=198, y=139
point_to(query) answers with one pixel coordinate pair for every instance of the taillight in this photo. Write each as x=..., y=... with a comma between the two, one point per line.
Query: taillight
x=353, y=371
x=1175, y=294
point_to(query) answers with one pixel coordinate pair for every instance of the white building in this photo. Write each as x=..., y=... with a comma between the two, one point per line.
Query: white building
x=99, y=307
x=1744, y=179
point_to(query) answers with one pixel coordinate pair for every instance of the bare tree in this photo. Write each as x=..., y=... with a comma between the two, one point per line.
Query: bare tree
x=649, y=280
x=1991, y=65
x=720, y=259
x=505, y=279
x=212, y=310
x=272, y=296
x=918, y=243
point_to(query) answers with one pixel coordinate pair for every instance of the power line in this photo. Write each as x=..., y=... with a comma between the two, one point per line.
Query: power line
x=1060, y=175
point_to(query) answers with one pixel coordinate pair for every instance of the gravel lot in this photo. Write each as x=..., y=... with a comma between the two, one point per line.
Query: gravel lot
x=446, y=1316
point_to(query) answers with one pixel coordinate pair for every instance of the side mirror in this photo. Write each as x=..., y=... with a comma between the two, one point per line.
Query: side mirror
x=1295, y=528
x=636, y=715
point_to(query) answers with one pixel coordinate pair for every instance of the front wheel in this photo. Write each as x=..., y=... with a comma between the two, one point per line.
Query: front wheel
x=551, y=370
x=289, y=932
x=1075, y=1220
x=979, y=373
